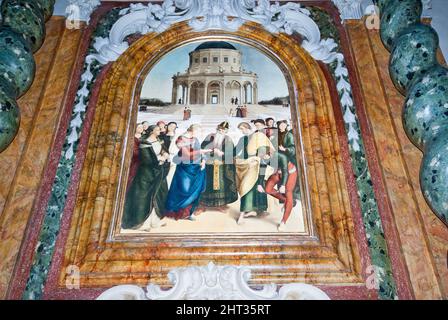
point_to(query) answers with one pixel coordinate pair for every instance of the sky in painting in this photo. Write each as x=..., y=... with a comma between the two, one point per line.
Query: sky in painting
x=271, y=81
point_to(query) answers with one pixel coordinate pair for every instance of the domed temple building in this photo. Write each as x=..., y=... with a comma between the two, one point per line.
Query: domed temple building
x=224, y=150
x=215, y=76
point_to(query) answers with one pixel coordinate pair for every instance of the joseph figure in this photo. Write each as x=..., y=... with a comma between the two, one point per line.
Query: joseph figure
x=250, y=171
x=220, y=169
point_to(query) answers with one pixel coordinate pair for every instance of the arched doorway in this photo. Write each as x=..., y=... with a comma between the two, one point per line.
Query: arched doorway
x=248, y=93
x=233, y=90
x=197, y=93
x=214, y=93
x=179, y=93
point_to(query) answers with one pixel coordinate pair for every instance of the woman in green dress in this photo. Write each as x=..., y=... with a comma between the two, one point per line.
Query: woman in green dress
x=149, y=188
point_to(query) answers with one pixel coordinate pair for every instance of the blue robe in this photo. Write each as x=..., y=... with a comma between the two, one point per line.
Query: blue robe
x=188, y=181
x=186, y=188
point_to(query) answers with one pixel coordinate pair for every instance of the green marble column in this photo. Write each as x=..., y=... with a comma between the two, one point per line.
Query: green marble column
x=22, y=32
x=9, y=114
x=417, y=74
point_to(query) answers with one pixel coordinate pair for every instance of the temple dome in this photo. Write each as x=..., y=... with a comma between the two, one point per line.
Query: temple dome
x=215, y=45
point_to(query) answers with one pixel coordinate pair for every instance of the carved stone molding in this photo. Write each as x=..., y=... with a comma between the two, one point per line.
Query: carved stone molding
x=204, y=15
x=81, y=10
x=213, y=282
x=349, y=9
x=427, y=8
x=427, y=4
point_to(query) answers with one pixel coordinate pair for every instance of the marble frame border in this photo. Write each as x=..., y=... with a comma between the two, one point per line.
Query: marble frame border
x=333, y=258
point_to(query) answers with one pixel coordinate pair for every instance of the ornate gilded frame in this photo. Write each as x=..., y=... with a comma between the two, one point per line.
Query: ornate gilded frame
x=328, y=254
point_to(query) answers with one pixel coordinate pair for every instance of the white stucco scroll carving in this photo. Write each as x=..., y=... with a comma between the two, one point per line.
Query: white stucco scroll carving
x=349, y=9
x=81, y=10
x=211, y=14
x=213, y=282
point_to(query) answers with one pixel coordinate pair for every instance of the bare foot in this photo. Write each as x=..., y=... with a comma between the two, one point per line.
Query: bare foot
x=241, y=219
x=158, y=224
x=199, y=210
x=250, y=214
x=222, y=209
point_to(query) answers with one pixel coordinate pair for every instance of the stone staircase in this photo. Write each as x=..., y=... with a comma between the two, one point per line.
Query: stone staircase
x=209, y=116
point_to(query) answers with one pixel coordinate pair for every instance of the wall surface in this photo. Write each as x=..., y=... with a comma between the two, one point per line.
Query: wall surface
x=423, y=238
x=439, y=12
x=22, y=164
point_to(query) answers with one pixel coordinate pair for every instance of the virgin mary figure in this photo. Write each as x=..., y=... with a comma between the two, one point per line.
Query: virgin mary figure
x=189, y=178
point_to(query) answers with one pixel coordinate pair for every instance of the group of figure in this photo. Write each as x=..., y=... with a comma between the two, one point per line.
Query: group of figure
x=210, y=174
x=269, y=146
x=187, y=113
x=239, y=112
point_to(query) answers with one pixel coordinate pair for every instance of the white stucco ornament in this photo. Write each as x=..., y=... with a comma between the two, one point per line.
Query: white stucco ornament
x=213, y=282
x=349, y=9
x=81, y=10
x=205, y=15
x=427, y=8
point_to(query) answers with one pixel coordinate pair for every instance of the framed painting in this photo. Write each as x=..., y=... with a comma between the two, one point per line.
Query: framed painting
x=214, y=146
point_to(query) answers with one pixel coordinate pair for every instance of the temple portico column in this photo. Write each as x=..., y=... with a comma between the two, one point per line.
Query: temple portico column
x=223, y=97
x=183, y=94
x=188, y=93
x=174, y=94
x=244, y=97
x=255, y=98
x=205, y=91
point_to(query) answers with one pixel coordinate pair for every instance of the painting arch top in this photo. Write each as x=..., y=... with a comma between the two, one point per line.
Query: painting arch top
x=203, y=15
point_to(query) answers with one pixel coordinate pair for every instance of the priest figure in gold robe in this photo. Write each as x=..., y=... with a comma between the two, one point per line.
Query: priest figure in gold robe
x=220, y=170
